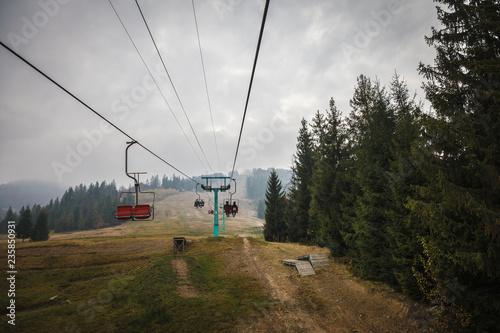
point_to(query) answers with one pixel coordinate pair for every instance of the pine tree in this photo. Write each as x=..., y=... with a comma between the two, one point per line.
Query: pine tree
x=261, y=209
x=405, y=230
x=41, y=228
x=274, y=227
x=460, y=201
x=300, y=194
x=9, y=216
x=371, y=124
x=25, y=225
x=327, y=191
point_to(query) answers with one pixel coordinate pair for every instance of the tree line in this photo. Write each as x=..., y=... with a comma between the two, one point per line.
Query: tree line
x=25, y=228
x=408, y=197
x=83, y=207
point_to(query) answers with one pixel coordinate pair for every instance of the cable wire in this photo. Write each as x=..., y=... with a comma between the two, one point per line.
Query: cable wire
x=251, y=81
x=154, y=80
x=172, y=83
x=206, y=85
x=91, y=109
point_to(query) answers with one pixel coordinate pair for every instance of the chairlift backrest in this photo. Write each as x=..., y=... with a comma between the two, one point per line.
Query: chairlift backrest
x=124, y=212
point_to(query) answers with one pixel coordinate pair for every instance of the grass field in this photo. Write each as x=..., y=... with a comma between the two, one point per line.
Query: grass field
x=127, y=279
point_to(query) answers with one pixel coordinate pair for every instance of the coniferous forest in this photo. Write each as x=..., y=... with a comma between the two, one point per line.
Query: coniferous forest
x=84, y=207
x=409, y=197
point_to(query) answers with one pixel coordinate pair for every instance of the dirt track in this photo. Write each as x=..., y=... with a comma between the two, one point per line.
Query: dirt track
x=331, y=301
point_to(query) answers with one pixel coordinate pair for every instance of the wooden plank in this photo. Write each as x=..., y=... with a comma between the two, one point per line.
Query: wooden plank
x=317, y=260
x=320, y=263
x=291, y=262
x=306, y=257
x=303, y=267
x=317, y=256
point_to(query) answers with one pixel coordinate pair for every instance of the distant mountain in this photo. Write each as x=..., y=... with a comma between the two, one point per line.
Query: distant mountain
x=28, y=192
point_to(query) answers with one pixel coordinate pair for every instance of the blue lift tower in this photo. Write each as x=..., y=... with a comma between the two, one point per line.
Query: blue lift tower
x=222, y=187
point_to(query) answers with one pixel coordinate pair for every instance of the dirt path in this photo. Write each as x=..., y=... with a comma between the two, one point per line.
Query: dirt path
x=184, y=288
x=331, y=301
x=288, y=315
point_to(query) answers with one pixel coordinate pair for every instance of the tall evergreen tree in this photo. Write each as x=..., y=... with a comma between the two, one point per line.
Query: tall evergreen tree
x=275, y=226
x=41, y=228
x=300, y=195
x=261, y=209
x=371, y=124
x=405, y=231
x=460, y=201
x=9, y=216
x=25, y=225
x=328, y=186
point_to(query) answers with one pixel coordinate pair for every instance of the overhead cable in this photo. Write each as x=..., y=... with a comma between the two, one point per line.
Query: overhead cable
x=172, y=83
x=251, y=81
x=154, y=80
x=206, y=85
x=94, y=111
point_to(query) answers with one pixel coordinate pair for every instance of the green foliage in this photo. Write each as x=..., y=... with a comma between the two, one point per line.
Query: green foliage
x=460, y=200
x=9, y=216
x=371, y=126
x=261, y=209
x=25, y=225
x=84, y=208
x=41, y=228
x=275, y=226
x=325, y=212
x=413, y=199
x=300, y=198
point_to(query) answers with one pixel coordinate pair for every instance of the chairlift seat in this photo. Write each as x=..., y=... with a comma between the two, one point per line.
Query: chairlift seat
x=124, y=212
x=142, y=212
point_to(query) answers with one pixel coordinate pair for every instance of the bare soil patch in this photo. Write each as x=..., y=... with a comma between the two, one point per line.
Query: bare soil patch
x=184, y=287
x=331, y=301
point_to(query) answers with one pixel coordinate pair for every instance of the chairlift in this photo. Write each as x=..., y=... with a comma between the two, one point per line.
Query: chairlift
x=198, y=203
x=137, y=212
x=231, y=205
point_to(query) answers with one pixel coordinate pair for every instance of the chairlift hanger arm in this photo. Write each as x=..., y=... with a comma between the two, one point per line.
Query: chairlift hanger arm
x=130, y=143
x=232, y=179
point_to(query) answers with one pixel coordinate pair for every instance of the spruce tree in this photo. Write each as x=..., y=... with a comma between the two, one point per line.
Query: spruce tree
x=300, y=195
x=460, y=201
x=9, y=216
x=405, y=231
x=327, y=191
x=371, y=124
x=261, y=209
x=41, y=228
x=274, y=227
x=25, y=225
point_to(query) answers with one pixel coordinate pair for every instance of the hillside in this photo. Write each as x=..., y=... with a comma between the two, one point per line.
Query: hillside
x=127, y=279
x=27, y=192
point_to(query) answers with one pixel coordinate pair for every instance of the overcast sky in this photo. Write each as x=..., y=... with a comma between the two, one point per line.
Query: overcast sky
x=311, y=51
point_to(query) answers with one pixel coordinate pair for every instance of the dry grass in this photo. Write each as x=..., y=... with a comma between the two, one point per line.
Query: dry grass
x=125, y=278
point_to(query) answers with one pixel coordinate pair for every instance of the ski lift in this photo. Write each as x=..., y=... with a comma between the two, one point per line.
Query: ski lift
x=231, y=205
x=198, y=203
x=137, y=212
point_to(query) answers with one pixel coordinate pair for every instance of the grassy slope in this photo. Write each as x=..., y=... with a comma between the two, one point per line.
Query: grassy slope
x=100, y=289
x=122, y=279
